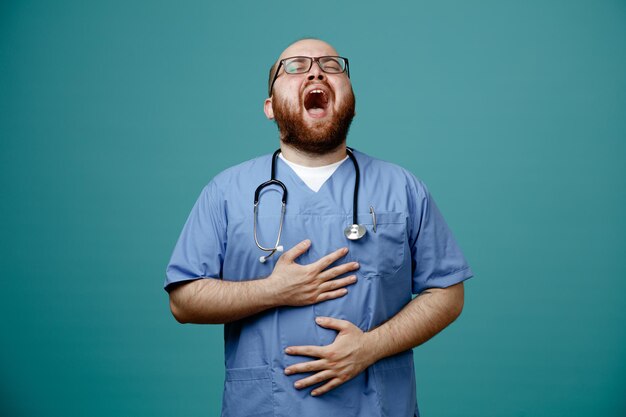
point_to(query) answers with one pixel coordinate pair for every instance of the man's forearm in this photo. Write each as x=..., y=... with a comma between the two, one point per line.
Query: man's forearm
x=205, y=301
x=421, y=319
x=215, y=301
x=353, y=350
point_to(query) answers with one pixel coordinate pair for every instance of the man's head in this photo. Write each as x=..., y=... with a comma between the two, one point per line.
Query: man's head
x=313, y=109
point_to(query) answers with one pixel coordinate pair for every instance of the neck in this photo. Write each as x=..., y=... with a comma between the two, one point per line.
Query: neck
x=313, y=160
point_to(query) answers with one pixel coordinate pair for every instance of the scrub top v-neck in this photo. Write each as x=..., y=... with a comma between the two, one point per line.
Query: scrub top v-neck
x=313, y=177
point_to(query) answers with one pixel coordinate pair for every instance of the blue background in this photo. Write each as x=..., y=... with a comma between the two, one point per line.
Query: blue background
x=114, y=115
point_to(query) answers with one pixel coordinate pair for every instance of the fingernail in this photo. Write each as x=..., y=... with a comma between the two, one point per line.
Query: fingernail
x=287, y=371
x=319, y=320
x=288, y=350
x=297, y=385
x=356, y=265
x=345, y=250
x=353, y=278
x=314, y=393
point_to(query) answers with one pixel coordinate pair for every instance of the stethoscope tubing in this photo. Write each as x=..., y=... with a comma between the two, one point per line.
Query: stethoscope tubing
x=274, y=181
x=355, y=196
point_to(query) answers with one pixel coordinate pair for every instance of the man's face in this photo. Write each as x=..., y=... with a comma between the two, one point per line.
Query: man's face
x=313, y=110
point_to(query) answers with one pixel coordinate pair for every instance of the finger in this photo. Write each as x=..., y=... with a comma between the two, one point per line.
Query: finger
x=296, y=251
x=337, y=283
x=313, y=351
x=338, y=270
x=332, y=384
x=331, y=295
x=314, y=379
x=310, y=366
x=325, y=261
x=332, y=323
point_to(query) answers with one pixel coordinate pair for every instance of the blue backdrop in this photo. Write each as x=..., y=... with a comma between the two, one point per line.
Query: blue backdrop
x=113, y=116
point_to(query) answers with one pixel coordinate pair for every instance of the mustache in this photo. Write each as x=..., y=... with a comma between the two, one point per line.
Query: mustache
x=317, y=82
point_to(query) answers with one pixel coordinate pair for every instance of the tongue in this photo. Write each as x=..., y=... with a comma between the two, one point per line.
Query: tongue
x=316, y=112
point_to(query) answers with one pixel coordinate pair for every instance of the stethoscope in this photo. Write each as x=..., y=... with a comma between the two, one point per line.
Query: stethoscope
x=353, y=232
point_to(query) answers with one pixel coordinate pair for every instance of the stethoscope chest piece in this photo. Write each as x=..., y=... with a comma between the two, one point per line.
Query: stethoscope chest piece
x=355, y=231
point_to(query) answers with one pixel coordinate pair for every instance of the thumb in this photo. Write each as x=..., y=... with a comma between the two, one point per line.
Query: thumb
x=332, y=323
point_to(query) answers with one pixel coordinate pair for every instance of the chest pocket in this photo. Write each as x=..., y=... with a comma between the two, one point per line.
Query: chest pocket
x=381, y=252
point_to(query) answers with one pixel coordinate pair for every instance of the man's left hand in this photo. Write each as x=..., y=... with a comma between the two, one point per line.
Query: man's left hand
x=338, y=362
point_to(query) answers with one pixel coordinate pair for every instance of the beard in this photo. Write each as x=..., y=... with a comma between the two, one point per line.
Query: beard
x=317, y=138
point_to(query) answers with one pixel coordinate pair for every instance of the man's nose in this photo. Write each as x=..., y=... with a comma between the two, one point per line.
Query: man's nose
x=315, y=72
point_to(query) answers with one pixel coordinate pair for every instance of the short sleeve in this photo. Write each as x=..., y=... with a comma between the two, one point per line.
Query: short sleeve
x=199, y=252
x=437, y=260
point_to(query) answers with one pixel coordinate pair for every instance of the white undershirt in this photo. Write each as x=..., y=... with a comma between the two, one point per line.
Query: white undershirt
x=313, y=177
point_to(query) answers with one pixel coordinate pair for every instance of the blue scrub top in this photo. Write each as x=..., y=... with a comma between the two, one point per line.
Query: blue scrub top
x=411, y=250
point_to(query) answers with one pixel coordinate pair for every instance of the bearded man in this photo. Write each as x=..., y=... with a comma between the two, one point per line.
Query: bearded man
x=327, y=327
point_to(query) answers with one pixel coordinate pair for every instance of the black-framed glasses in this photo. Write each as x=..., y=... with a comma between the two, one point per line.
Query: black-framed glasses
x=303, y=64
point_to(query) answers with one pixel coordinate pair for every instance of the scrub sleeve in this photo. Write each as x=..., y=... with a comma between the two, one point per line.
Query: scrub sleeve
x=437, y=260
x=199, y=252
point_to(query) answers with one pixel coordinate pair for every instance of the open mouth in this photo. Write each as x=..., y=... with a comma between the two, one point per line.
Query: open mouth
x=316, y=103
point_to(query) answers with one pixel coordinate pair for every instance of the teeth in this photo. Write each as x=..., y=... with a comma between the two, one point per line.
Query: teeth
x=317, y=91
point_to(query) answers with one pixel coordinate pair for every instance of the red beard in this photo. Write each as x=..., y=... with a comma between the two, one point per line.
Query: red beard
x=319, y=138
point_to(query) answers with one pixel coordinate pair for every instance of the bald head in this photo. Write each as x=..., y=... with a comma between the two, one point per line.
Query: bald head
x=307, y=45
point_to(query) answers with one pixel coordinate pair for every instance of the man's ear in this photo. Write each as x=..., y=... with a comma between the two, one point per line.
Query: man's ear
x=268, y=109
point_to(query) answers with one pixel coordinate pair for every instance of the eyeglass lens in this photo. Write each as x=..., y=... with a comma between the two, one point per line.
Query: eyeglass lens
x=330, y=64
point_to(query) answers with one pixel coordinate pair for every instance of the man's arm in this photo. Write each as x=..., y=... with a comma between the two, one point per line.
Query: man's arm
x=354, y=350
x=222, y=301
x=421, y=319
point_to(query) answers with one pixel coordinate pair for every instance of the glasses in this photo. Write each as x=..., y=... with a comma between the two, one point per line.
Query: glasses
x=303, y=64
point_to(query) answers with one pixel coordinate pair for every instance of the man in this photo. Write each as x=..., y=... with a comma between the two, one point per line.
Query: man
x=328, y=326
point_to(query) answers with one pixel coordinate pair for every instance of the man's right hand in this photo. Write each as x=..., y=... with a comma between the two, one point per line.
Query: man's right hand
x=290, y=284
x=299, y=285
